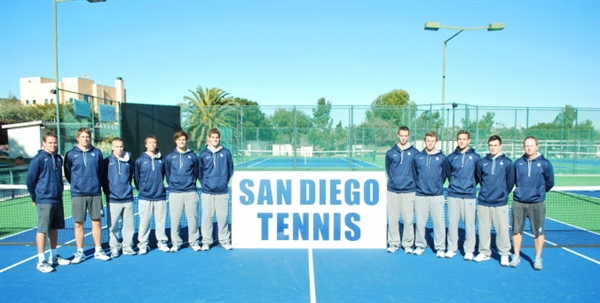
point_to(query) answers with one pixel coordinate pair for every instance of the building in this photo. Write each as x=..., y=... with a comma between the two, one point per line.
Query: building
x=38, y=90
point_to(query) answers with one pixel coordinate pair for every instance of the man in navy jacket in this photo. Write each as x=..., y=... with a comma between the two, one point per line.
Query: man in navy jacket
x=534, y=176
x=45, y=185
x=83, y=170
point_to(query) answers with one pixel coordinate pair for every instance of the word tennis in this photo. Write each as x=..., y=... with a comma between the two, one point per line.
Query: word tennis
x=309, y=210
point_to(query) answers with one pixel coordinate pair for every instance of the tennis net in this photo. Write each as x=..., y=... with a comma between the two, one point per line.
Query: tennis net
x=571, y=218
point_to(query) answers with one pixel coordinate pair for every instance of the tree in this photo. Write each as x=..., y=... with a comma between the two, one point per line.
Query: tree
x=394, y=106
x=290, y=126
x=208, y=108
x=320, y=133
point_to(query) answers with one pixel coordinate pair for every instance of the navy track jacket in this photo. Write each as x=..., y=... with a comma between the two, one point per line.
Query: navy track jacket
x=430, y=173
x=116, y=181
x=181, y=171
x=496, y=176
x=461, y=173
x=533, y=179
x=83, y=170
x=44, y=178
x=216, y=168
x=398, y=167
x=149, y=177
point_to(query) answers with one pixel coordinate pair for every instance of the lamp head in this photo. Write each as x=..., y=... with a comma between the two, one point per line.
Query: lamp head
x=432, y=26
x=497, y=26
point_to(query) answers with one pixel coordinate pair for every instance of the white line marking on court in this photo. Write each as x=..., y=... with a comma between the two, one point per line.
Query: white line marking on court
x=35, y=256
x=567, y=249
x=311, y=276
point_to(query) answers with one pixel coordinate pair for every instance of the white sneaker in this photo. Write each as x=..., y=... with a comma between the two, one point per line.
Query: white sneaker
x=114, y=253
x=468, y=256
x=450, y=254
x=515, y=261
x=58, y=260
x=101, y=255
x=44, y=267
x=129, y=251
x=439, y=254
x=419, y=251
x=174, y=249
x=392, y=249
x=227, y=246
x=196, y=247
x=162, y=246
x=205, y=247
x=481, y=257
x=78, y=257
x=504, y=260
x=408, y=250
x=143, y=250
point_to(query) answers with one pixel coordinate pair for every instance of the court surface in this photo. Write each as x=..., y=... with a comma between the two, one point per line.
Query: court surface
x=301, y=275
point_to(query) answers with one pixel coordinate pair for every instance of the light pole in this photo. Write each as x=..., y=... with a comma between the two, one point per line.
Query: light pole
x=434, y=26
x=56, y=82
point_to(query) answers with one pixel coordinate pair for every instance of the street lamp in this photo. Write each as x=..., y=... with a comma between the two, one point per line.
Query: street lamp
x=56, y=88
x=434, y=26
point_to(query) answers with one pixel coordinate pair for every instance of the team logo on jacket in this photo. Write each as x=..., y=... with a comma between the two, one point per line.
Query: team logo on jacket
x=221, y=156
x=437, y=158
x=93, y=154
x=539, y=165
x=189, y=157
x=501, y=163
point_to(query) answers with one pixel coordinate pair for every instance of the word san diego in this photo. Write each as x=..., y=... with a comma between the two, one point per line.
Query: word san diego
x=300, y=209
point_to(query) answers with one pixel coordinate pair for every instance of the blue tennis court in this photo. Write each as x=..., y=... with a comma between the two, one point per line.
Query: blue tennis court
x=304, y=163
x=302, y=275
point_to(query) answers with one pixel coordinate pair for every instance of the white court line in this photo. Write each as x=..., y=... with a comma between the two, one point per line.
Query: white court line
x=311, y=276
x=567, y=249
x=35, y=256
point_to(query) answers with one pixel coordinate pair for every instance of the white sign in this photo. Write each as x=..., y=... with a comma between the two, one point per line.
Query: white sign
x=292, y=209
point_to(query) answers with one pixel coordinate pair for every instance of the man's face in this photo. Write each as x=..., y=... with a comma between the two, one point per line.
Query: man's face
x=50, y=145
x=430, y=143
x=403, y=136
x=181, y=143
x=151, y=144
x=530, y=147
x=117, y=147
x=494, y=147
x=463, y=141
x=84, y=140
x=213, y=140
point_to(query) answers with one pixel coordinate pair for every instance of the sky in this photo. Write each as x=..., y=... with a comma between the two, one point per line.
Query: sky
x=295, y=52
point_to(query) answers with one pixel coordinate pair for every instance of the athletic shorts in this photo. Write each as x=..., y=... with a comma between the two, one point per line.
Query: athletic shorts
x=536, y=212
x=81, y=205
x=50, y=216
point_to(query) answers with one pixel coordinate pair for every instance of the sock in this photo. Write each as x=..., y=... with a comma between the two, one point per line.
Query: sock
x=98, y=248
x=41, y=258
x=80, y=250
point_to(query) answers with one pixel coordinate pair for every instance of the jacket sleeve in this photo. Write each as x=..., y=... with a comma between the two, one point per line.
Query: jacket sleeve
x=136, y=174
x=510, y=177
x=33, y=175
x=549, y=175
x=104, y=177
x=230, y=167
x=68, y=167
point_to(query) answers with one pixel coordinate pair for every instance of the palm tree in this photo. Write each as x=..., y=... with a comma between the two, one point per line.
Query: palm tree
x=208, y=108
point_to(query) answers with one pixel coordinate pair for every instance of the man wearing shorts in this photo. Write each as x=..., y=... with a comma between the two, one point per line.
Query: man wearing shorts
x=400, y=192
x=534, y=176
x=45, y=185
x=83, y=170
